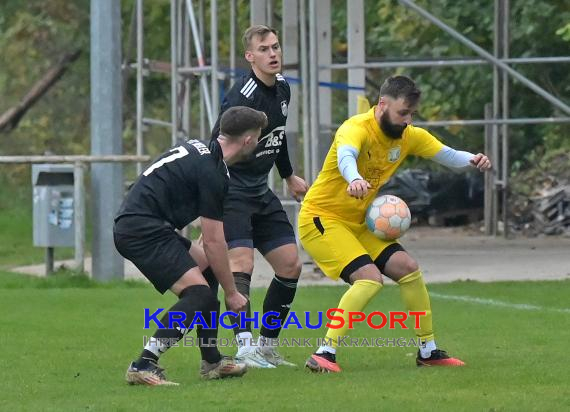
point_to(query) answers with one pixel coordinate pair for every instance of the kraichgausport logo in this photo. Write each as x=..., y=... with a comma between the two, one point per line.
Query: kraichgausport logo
x=336, y=319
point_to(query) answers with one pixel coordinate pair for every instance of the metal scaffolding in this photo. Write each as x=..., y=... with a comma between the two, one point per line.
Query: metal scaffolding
x=306, y=36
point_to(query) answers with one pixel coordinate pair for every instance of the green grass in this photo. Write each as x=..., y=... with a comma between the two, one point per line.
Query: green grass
x=66, y=342
x=16, y=221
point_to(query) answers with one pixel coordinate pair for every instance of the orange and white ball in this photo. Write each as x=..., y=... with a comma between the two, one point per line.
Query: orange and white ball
x=388, y=217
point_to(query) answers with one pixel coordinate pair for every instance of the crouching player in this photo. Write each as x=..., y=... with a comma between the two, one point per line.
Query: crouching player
x=188, y=182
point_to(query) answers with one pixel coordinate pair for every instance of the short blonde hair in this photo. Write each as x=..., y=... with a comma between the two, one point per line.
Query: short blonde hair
x=258, y=30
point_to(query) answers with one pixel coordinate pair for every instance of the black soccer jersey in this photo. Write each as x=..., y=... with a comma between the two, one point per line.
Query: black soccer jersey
x=189, y=181
x=250, y=176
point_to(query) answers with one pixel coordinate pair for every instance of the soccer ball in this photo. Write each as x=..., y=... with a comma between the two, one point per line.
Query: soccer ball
x=388, y=217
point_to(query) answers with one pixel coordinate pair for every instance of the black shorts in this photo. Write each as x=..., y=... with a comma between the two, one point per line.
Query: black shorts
x=155, y=248
x=258, y=222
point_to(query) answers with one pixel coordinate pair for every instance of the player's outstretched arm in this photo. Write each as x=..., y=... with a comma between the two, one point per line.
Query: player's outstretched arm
x=216, y=250
x=460, y=160
x=297, y=187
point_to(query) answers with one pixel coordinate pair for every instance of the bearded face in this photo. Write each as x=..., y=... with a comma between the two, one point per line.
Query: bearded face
x=391, y=129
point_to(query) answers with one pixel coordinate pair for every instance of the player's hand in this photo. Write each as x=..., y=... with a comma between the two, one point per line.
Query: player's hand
x=358, y=188
x=481, y=162
x=235, y=301
x=297, y=186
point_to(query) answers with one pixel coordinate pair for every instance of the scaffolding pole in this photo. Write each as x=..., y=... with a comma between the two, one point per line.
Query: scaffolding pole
x=307, y=146
x=505, y=112
x=483, y=53
x=201, y=63
x=140, y=84
x=465, y=61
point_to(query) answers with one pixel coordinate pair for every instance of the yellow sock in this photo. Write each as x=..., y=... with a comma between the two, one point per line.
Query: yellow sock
x=354, y=300
x=415, y=296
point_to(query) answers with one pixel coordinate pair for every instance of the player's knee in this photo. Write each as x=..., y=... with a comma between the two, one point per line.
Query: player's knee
x=401, y=266
x=373, y=277
x=291, y=268
x=243, y=263
x=367, y=272
x=376, y=277
x=409, y=266
x=201, y=296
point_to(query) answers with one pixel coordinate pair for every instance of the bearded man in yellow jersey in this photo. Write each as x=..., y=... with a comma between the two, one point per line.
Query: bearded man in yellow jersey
x=366, y=151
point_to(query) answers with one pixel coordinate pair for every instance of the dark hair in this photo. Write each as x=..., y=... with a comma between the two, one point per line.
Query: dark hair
x=401, y=86
x=239, y=119
x=257, y=30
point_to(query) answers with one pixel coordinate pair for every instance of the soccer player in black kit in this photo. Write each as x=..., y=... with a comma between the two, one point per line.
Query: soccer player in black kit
x=185, y=183
x=253, y=215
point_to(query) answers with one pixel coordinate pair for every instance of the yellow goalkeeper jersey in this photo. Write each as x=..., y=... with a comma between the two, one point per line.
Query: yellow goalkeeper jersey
x=378, y=158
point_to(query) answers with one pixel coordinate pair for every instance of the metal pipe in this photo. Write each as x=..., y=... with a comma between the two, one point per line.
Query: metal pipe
x=194, y=70
x=488, y=191
x=307, y=153
x=130, y=45
x=106, y=135
x=74, y=158
x=494, y=153
x=496, y=83
x=483, y=53
x=442, y=62
x=79, y=216
x=173, y=73
x=482, y=122
x=49, y=260
x=140, y=85
x=478, y=122
x=198, y=47
x=313, y=89
x=269, y=13
x=214, y=57
x=203, y=108
x=156, y=122
x=505, y=126
x=233, y=15
x=185, y=47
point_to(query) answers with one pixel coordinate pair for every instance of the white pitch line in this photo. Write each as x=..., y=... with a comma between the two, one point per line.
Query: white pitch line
x=492, y=302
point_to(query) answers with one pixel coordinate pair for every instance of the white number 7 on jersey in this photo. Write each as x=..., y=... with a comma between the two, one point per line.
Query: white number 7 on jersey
x=179, y=152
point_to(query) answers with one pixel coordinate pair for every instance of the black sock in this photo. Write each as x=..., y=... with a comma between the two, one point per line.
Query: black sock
x=211, y=279
x=279, y=297
x=242, y=280
x=208, y=338
x=191, y=300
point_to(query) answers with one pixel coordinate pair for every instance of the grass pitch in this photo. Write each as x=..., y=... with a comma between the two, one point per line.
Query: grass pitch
x=67, y=341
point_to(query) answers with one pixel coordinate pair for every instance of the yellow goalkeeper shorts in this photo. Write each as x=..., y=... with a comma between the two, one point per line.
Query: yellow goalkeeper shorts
x=334, y=244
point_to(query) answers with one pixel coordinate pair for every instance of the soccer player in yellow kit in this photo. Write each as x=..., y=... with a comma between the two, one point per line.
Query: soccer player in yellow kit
x=366, y=151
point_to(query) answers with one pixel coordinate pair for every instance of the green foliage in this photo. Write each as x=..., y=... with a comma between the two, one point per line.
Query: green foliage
x=564, y=32
x=394, y=32
x=34, y=37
